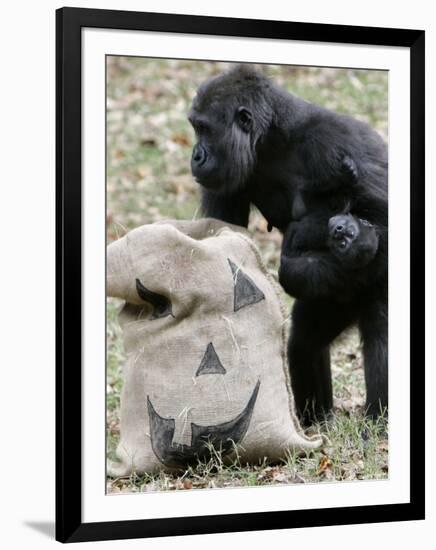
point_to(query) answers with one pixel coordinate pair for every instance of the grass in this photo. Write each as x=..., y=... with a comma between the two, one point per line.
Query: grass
x=345, y=457
x=149, y=143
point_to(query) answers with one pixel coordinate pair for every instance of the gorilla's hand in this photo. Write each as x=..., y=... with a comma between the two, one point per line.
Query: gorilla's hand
x=337, y=172
x=349, y=170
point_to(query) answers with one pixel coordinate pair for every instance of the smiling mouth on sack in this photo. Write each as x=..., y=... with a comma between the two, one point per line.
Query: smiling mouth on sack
x=222, y=437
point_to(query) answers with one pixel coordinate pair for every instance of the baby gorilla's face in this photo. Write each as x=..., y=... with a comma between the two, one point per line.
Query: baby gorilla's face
x=343, y=231
x=353, y=240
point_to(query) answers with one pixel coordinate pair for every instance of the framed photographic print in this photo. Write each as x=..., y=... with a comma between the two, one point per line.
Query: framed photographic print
x=238, y=347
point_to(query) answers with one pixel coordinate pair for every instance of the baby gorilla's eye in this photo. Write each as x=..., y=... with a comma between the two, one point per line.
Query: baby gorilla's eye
x=343, y=244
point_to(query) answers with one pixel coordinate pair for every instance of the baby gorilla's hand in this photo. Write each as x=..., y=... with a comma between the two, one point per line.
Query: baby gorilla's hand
x=352, y=240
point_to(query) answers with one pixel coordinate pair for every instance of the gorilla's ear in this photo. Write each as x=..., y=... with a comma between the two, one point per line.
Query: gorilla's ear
x=244, y=118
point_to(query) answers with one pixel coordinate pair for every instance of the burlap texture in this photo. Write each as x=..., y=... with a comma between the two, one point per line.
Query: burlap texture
x=206, y=364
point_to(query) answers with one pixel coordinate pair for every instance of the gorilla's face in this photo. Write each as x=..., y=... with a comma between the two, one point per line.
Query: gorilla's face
x=353, y=240
x=223, y=155
x=230, y=114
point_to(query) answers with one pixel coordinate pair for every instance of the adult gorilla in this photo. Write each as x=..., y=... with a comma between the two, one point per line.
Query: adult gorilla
x=300, y=163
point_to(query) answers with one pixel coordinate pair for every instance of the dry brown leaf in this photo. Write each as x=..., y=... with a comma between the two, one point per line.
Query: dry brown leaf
x=144, y=171
x=148, y=142
x=187, y=484
x=383, y=446
x=280, y=477
x=324, y=465
x=181, y=139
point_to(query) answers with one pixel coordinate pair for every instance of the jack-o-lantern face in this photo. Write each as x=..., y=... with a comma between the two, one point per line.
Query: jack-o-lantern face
x=205, y=342
x=222, y=436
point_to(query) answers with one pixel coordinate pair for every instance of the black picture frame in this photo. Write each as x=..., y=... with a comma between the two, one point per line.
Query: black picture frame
x=69, y=22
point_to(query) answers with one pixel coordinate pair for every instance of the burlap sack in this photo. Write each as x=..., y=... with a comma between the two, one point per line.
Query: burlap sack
x=204, y=334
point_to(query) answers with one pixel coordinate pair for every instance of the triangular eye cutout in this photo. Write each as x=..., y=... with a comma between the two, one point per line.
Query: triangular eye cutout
x=210, y=364
x=161, y=304
x=246, y=292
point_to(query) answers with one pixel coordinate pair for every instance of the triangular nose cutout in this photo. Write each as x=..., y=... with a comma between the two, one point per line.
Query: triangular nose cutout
x=210, y=364
x=246, y=292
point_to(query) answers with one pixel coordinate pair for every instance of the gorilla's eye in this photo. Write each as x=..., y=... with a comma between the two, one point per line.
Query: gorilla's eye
x=244, y=118
x=200, y=127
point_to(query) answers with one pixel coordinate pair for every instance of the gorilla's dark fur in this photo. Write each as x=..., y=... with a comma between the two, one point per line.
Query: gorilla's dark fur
x=303, y=166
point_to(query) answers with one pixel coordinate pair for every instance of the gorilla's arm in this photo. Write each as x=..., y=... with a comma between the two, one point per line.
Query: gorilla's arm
x=311, y=276
x=307, y=268
x=334, y=151
x=234, y=208
x=327, y=169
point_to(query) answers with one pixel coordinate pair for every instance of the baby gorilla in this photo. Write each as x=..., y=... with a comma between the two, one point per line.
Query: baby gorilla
x=308, y=247
x=329, y=262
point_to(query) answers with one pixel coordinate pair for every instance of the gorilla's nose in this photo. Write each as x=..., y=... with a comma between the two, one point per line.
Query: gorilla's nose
x=338, y=225
x=199, y=155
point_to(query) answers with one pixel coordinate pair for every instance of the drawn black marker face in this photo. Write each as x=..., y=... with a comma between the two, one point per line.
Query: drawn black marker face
x=162, y=306
x=223, y=435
